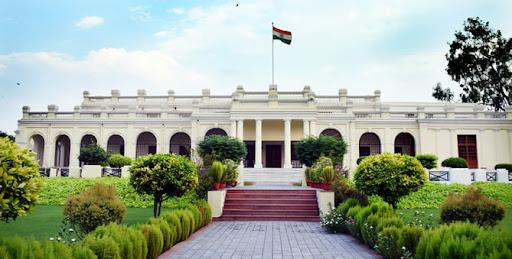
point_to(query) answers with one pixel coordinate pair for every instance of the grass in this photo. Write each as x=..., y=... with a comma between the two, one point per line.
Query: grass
x=45, y=221
x=408, y=215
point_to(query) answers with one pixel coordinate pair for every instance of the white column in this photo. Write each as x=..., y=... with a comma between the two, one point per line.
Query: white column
x=305, y=128
x=257, y=146
x=233, y=129
x=74, y=152
x=240, y=130
x=312, y=128
x=287, y=144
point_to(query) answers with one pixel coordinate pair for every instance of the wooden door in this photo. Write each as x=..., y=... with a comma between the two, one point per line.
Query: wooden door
x=468, y=150
x=273, y=156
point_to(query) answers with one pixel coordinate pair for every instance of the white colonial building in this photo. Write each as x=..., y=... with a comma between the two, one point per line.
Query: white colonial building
x=269, y=122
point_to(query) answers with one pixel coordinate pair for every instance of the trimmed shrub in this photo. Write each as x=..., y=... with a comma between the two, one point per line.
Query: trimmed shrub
x=428, y=161
x=118, y=160
x=216, y=172
x=391, y=220
x=369, y=230
x=206, y=212
x=56, y=250
x=130, y=241
x=310, y=149
x=220, y=148
x=230, y=170
x=167, y=234
x=472, y=206
x=17, y=247
x=347, y=204
x=18, y=182
x=92, y=155
x=350, y=222
x=342, y=192
x=390, y=176
x=93, y=207
x=455, y=162
x=388, y=244
x=196, y=216
x=186, y=221
x=163, y=176
x=83, y=252
x=409, y=237
x=102, y=247
x=504, y=166
x=154, y=239
x=174, y=221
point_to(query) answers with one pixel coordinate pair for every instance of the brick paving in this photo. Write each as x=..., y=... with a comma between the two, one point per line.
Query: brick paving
x=268, y=239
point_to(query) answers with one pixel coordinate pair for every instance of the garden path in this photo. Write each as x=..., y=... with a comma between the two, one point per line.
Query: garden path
x=268, y=239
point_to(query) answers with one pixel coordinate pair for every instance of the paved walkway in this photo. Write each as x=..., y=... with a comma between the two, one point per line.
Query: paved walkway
x=268, y=239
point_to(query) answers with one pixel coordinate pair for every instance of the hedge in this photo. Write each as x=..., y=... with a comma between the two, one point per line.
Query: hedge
x=57, y=189
x=431, y=195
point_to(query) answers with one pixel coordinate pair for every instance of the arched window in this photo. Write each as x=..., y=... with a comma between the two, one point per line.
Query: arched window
x=404, y=144
x=216, y=131
x=146, y=144
x=331, y=132
x=88, y=140
x=115, y=145
x=369, y=144
x=180, y=144
x=36, y=143
x=62, y=148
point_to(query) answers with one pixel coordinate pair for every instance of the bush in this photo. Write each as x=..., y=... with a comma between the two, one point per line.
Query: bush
x=334, y=221
x=216, y=171
x=174, y=221
x=472, y=206
x=409, y=237
x=455, y=162
x=350, y=222
x=118, y=160
x=186, y=221
x=83, y=252
x=428, y=161
x=168, y=236
x=230, y=170
x=328, y=174
x=389, y=176
x=358, y=161
x=163, y=176
x=504, y=166
x=92, y=155
x=19, y=185
x=206, y=212
x=310, y=149
x=103, y=247
x=343, y=192
x=315, y=173
x=196, y=216
x=388, y=244
x=431, y=195
x=130, y=241
x=220, y=148
x=154, y=239
x=93, y=207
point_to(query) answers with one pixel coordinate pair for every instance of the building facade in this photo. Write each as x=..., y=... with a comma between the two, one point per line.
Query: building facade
x=269, y=123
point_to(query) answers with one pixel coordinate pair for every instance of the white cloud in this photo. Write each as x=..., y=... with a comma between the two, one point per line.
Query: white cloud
x=89, y=22
x=140, y=14
x=177, y=11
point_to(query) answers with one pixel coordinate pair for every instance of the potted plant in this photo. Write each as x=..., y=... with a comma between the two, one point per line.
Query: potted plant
x=216, y=171
x=327, y=177
x=307, y=173
x=230, y=172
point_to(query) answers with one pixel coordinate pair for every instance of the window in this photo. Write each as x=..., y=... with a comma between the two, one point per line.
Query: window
x=468, y=150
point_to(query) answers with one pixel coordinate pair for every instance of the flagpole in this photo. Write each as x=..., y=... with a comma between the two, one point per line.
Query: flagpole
x=272, y=53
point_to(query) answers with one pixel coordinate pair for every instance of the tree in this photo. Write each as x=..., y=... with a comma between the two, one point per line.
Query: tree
x=309, y=149
x=19, y=185
x=390, y=176
x=4, y=134
x=118, y=160
x=163, y=176
x=93, y=155
x=220, y=148
x=445, y=95
x=479, y=60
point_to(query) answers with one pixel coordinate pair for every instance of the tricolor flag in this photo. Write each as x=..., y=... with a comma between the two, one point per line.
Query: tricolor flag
x=284, y=36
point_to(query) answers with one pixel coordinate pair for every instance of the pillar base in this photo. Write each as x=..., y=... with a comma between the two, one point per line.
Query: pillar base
x=258, y=166
x=287, y=166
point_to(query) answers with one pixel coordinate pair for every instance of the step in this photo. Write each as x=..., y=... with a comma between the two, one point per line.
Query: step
x=268, y=218
x=228, y=212
x=265, y=191
x=270, y=196
x=312, y=206
x=258, y=201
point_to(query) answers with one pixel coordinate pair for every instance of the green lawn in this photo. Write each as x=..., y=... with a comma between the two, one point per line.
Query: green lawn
x=424, y=215
x=45, y=221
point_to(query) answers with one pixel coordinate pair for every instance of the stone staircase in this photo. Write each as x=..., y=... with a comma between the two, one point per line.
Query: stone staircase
x=271, y=204
x=273, y=175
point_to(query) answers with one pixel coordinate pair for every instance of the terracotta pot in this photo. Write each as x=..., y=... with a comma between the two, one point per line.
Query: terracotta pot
x=308, y=184
x=222, y=185
x=216, y=186
x=326, y=186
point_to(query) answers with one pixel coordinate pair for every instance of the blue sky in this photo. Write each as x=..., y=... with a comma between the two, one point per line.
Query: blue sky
x=58, y=49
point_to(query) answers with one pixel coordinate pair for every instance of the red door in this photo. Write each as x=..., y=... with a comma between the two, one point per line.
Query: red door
x=468, y=150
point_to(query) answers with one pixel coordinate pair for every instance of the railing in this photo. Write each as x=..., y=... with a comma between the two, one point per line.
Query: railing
x=492, y=176
x=439, y=176
x=109, y=171
x=249, y=163
x=44, y=171
x=63, y=171
x=510, y=176
x=296, y=164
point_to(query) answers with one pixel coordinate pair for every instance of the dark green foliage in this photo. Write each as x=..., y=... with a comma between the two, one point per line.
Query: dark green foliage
x=163, y=176
x=388, y=244
x=343, y=192
x=93, y=207
x=102, y=247
x=167, y=234
x=479, y=61
x=409, y=237
x=359, y=159
x=130, y=241
x=92, y=154
x=204, y=184
x=472, y=206
x=118, y=160
x=428, y=161
x=442, y=94
x=5, y=135
x=390, y=176
x=309, y=149
x=19, y=185
x=154, y=240
x=455, y=162
x=347, y=204
x=220, y=148
x=504, y=166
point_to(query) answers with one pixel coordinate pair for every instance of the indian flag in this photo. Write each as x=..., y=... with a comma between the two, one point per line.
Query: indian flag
x=284, y=36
